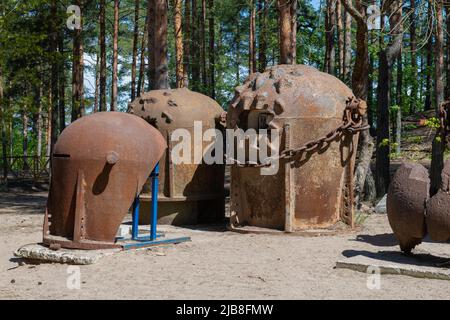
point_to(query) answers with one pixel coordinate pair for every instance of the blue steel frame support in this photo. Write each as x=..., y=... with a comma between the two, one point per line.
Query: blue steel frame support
x=151, y=240
x=135, y=219
x=154, y=211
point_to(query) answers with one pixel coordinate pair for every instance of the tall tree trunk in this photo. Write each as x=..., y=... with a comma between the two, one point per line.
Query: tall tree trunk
x=398, y=117
x=285, y=21
x=187, y=41
x=447, y=36
x=294, y=5
x=151, y=47
x=212, y=51
x=102, y=40
x=251, y=41
x=203, y=46
x=25, y=165
x=97, y=83
x=437, y=158
x=135, y=49
x=360, y=85
x=387, y=57
x=347, y=46
x=429, y=61
x=114, y=90
x=195, y=57
x=179, y=68
x=329, y=37
x=340, y=31
x=54, y=79
x=77, y=71
x=238, y=49
x=62, y=85
x=141, y=78
x=413, y=47
x=3, y=130
x=160, y=61
x=39, y=121
x=262, y=58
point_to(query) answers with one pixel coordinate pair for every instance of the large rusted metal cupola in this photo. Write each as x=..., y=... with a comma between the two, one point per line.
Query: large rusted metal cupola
x=189, y=193
x=318, y=120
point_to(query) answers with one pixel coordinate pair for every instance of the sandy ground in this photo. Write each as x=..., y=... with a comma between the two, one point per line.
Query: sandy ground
x=217, y=264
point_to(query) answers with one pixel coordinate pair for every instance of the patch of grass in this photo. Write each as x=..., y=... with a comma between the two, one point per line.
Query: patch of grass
x=360, y=218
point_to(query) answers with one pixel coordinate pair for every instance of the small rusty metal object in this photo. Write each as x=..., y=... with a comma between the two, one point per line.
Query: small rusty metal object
x=319, y=119
x=99, y=164
x=407, y=195
x=438, y=209
x=189, y=193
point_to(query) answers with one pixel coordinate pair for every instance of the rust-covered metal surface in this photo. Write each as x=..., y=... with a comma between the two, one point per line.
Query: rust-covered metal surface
x=314, y=190
x=99, y=164
x=189, y=193
x=407, y=195
x=438, y=209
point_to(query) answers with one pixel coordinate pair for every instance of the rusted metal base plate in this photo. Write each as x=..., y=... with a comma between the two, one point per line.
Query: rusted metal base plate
x=419, y=265
x=40, y=253
x=338, y=229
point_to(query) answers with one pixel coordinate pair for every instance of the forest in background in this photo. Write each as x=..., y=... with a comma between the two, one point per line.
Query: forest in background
x=393, y=54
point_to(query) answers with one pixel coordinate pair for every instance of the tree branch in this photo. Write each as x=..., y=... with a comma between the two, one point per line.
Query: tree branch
x=352, y=10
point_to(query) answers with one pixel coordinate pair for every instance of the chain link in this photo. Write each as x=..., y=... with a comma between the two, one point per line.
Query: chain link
x=352, y=123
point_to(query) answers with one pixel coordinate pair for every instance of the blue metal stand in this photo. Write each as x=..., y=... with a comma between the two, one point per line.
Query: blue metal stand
x=152, y=239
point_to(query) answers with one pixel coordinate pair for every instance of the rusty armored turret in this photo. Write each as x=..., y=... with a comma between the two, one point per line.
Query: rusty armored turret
x=99, y=165
x=318, y=120
x=189, y=193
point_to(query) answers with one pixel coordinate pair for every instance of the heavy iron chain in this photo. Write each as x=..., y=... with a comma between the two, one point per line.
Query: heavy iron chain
x=352, y=123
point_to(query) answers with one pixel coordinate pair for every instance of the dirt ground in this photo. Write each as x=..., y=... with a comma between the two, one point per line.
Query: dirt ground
x=217, y=264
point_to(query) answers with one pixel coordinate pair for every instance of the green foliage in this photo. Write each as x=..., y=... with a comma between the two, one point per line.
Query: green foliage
x=433, y=123
x=409, y=127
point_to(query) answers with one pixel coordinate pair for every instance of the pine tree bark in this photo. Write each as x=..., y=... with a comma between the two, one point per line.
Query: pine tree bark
x=437, y=157
x=62, y=85
x=212, y=50
x=294, y=5
x=3, y=129
x=447, y=69
x=347, y=46
x=102, y=40
x=160, y=59
x=251, y=41
x=398, y=117
x=413, y=48
x=54, y=78
x=97, y=83
x=187, y=41
x=179, y=63
x=262, y=58
x=238, y=50
x=360, y=85
x=141, y=78
x=340, y=32
x=204, y=71
x=25, y=166
x=387, y=58
x=151, y=44
x=429, y=61
x=195, y=67
x=285, y=21
x=114, y=90
x=329, y=37
x=135, y=49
